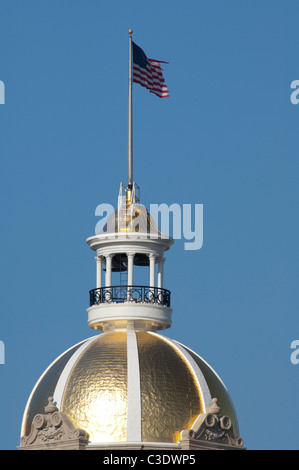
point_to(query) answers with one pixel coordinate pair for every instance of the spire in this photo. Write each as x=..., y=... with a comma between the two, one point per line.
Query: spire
x=130, y=125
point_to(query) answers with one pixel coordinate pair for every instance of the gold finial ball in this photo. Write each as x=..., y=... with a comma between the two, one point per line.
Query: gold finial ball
x=130, y=31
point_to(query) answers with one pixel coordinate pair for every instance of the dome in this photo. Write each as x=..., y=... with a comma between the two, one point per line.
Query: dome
x=130, y=386
x=132, y=218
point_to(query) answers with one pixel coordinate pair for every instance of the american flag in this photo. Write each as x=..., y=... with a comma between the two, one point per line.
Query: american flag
x=148, y=73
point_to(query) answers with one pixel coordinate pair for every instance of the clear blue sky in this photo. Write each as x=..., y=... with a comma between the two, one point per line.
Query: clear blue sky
x=226, y=138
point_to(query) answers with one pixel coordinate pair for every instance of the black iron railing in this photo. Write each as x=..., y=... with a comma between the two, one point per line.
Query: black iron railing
x=137, y=294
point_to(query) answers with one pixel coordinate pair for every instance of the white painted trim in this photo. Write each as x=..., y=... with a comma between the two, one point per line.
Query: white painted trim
x=38, y=382
x=201, y=381
x=207, y=364
x=123, y=243
x=61, y=384
x=134, y=397
x=142, y=312
x=220, y=380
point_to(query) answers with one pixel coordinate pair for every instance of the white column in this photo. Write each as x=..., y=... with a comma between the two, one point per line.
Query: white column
x=130, y=268
x=130, y=257
x=160, y=272
x=108, y=270
x=152, y=270
x=99, y=261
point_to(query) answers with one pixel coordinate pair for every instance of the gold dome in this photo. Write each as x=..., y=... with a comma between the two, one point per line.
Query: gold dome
x=131, y=218
x=125, y=385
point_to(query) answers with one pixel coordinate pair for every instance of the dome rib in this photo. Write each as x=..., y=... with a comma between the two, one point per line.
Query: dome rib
x=134, y=401
x=217, y=388
x=130, y=386
x=45, y=387
x=201, y=381
x=65, y=374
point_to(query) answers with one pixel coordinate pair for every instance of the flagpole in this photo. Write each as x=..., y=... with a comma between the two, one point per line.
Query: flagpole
x=130, y=129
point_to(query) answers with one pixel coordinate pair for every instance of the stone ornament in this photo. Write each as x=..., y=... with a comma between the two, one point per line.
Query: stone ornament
x=211, y=430
x=53, y=430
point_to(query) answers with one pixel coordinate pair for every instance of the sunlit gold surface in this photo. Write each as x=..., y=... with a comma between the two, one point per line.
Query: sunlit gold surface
x=95, y=395
x=45, y=388
x=132, y=218
x=170, y=399
x=96, y=392
x=217, y=389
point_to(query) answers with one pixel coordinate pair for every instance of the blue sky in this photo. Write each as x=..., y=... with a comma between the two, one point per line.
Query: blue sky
x=226, y=138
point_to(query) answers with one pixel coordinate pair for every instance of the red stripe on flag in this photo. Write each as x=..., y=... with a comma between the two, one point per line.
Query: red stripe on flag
x=151, y=78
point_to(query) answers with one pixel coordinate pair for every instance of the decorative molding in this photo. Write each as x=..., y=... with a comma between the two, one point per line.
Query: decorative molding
x=211, y=430
x=53, y=430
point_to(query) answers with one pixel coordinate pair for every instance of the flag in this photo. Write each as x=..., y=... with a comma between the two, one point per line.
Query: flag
x=148, y=73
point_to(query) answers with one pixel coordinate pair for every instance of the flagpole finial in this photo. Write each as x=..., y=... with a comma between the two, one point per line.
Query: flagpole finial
x=130, y=31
